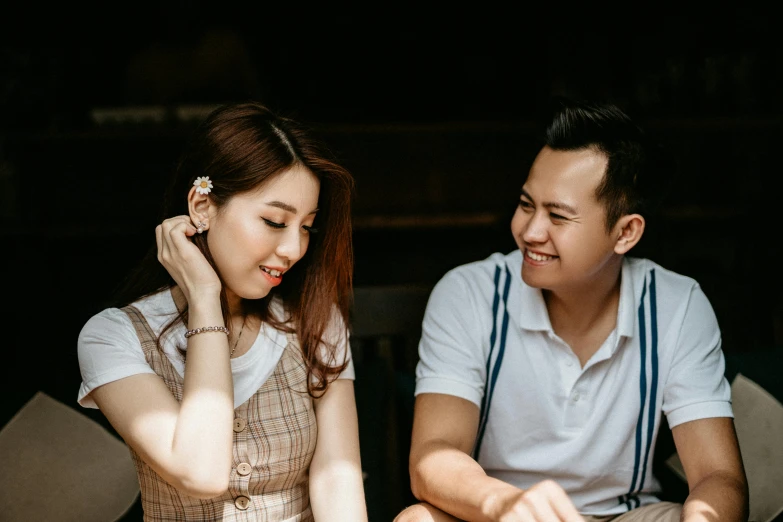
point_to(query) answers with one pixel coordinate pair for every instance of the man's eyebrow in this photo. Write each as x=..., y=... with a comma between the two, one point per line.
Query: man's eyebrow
x=286, y=207
x=560, y=206
x=551, y=204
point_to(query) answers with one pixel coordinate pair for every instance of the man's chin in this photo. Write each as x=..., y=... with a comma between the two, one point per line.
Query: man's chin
x=534, y=282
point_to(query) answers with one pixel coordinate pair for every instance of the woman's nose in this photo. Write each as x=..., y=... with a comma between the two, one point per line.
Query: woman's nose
x=291, y=246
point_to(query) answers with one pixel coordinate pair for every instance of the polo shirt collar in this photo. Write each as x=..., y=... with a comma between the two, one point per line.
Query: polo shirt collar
x=534, y=315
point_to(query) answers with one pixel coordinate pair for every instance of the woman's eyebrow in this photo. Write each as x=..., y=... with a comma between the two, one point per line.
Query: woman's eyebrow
x=287, y=207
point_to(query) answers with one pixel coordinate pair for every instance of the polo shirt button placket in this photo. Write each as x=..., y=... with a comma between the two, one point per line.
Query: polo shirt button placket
x=577, y=407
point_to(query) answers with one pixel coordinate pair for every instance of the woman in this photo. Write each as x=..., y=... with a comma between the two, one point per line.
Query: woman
x=225, y=364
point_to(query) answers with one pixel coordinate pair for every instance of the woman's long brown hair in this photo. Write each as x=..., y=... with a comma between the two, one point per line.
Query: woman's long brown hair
x=240, y=147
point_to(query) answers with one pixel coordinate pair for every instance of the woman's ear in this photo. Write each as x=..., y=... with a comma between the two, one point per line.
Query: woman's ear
x=198, y=209
x=628, y=230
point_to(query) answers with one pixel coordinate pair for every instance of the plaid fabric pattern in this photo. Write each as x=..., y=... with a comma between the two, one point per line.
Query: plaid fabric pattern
x=274, y=440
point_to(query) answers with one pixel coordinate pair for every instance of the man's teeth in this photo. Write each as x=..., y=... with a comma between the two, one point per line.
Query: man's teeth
x=273, y=273
x=538, y=257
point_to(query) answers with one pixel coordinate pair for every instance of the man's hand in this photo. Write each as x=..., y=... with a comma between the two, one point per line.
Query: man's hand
x=544, y=502
x=444, y=475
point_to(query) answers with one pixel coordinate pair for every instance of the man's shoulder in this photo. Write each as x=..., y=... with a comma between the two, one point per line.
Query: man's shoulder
x=477, y=282
x=486, y=268
x=646, y=270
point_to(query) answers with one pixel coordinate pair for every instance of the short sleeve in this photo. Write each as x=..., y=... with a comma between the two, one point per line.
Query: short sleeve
x=337, y=335
x=108, y=350
x=451, y=359
x=696, y=387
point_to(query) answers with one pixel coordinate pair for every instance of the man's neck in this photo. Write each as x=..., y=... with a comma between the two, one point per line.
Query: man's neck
x=584, y=317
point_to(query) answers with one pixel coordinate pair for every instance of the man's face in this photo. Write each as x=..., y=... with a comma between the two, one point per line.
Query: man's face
x=559, y=224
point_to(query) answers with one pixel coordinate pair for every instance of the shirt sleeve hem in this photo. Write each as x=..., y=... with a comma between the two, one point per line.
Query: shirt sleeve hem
x=348, y=374
x=448, y=387
x=701, y=410
x=85, y=400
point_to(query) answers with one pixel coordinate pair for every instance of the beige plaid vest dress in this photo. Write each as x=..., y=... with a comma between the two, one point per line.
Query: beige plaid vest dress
x=274, y=441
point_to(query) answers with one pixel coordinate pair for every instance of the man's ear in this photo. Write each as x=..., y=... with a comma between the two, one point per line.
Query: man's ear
x=628, y=230
x=198, y=209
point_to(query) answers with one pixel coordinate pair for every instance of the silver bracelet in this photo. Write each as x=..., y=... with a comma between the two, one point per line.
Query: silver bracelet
x=206, y=329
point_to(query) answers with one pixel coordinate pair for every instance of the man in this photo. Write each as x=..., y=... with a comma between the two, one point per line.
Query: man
x=543, y=373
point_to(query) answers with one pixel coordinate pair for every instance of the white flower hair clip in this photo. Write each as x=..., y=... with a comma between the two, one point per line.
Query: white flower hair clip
x=203, y=185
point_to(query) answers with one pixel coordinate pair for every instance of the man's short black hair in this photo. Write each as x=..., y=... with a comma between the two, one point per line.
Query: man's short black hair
x=636, y=169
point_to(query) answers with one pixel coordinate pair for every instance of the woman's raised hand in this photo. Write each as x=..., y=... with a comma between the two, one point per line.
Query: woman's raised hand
x=183, y=260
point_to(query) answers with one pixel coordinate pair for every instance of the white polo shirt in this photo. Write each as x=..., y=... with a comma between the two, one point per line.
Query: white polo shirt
x=486, y=337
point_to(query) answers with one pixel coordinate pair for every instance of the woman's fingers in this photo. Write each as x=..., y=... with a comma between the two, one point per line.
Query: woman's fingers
x=174, y=237
x=179, y=239
x=178, y=224
x=159, y=241
x=183, y=260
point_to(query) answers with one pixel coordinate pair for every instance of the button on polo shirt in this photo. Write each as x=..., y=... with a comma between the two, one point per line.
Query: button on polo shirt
x=487, y=338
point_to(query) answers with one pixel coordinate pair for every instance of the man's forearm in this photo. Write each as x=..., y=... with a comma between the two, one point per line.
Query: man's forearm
x=455, y=483
x=719, y=496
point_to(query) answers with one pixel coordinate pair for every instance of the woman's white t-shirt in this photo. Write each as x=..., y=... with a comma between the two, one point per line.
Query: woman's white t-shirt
x=110, y=350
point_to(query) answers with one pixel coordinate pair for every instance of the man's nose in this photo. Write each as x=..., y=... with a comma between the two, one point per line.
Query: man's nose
x=537, y=229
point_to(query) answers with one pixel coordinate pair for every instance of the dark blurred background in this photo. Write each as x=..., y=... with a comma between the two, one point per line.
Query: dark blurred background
x=432, y=108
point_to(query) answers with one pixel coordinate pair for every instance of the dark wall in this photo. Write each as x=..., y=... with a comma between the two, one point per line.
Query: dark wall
x=432, y=112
